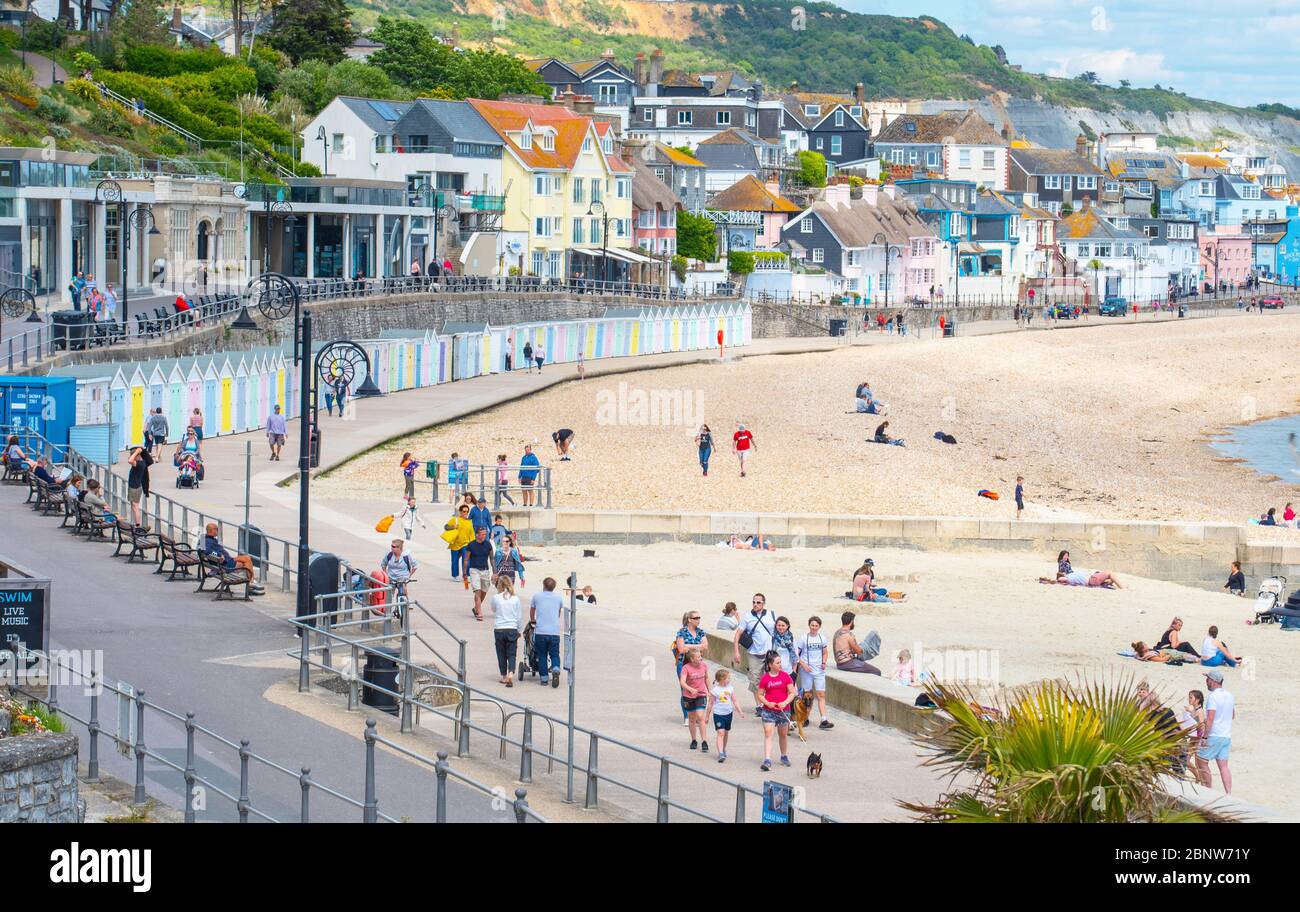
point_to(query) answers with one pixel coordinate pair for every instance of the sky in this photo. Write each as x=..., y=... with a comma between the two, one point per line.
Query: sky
x=1242, y=54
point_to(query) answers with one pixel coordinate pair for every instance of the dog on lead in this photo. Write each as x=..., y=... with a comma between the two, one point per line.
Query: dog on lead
x=814, y=766
x=800, y=709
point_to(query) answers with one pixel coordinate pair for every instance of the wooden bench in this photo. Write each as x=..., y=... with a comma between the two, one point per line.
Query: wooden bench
x=182, y=556
x=48, y=497
x=15, y=472
x=143, y=545
x=212, y=567
x=69, y=512
x=93, y=526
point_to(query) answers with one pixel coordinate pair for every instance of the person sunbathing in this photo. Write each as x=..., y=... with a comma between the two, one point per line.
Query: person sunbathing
x=1100, y=579
x=749, y=543
x=882, y=435
x=1172, y=639
x=1143, y=653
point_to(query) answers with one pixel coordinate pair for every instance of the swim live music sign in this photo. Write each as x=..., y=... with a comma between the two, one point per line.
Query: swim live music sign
x=24, y=613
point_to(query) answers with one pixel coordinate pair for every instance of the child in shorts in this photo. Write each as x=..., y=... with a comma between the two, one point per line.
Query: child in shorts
x=723, y=705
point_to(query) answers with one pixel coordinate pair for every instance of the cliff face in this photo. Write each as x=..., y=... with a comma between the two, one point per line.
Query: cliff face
x=1056, y=126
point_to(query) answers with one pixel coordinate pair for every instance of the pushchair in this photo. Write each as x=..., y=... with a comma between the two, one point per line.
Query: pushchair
x=529, y=661
x=1270, y=609
x=189, y=471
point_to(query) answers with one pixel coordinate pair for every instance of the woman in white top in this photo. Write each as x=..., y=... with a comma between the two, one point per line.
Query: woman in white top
x=409, y=517
x=507, y=623
x=812, y=649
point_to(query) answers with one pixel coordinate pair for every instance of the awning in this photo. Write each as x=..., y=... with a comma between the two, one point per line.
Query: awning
x=971, y=247
x=633, y=256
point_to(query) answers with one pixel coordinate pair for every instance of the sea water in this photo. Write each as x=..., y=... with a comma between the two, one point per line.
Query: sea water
x=1266, y=446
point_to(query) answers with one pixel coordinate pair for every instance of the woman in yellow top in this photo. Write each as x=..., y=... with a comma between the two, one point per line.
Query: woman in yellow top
x=458, y=532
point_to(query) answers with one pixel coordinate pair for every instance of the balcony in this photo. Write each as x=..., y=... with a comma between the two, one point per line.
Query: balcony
x=482, y=202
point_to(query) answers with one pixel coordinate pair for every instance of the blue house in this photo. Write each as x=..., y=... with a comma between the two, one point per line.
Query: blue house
x=1277, y=247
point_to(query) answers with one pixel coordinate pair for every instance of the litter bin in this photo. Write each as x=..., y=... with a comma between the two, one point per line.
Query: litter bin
x=838, y=327
x=253, y=543
x=1182, y=311
x=949, y=329
x=70, y=328
x=380, y=671
x=313, y=450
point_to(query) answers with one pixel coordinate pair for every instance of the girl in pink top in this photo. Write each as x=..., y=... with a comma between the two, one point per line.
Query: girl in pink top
x=775, y=694
x=694, y=681
x=503, y=479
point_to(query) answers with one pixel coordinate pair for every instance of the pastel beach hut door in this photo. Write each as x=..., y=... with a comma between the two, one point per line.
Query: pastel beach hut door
x=119, y=393
x=226, y=396
x=135, y=425
x=157, y=387
x=239, y=413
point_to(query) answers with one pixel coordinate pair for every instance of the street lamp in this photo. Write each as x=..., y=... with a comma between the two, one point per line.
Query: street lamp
x=109, y=191
x=597, y=208
x=1215, y=250
x=135, y=220
x=891, y=250
x=324, y=149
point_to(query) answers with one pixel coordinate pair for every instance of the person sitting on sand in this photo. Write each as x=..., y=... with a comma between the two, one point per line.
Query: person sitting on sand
x=867, y=402
x=1063, y=563
x=1288, y=515
x=1215, y=652
x=848, y=653
x=904, y=672
x=864, y=584
x=1269, y=518
x=1172, y=639
x=882, y=435
x=1143, y=653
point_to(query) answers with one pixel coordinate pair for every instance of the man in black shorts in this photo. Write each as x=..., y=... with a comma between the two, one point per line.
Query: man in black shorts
x=563, y=438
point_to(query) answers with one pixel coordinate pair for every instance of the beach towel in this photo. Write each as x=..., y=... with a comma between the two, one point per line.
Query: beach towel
x=985, y=492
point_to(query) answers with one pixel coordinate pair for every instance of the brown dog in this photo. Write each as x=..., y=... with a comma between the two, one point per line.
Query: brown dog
x=800, y=709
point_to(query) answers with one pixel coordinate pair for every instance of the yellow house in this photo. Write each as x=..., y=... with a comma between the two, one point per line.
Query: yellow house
x=565, y=186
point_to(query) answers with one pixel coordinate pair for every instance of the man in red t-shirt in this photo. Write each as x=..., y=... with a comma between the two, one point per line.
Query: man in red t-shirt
x=743, y=442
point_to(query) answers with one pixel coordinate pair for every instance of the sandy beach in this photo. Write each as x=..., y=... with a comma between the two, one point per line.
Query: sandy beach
x=1104, y=421
x=1022, y=630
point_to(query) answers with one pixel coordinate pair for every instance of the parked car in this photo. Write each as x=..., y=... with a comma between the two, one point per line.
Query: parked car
x=1113, y=306
x=1271, y=302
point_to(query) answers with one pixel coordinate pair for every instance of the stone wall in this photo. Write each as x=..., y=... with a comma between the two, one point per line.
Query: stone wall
x=38, y=778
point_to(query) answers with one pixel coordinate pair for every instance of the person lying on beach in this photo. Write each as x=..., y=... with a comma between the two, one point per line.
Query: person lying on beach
x=1172, y=639
x=748, y=543
x=1143, y=653
x=1101, y=579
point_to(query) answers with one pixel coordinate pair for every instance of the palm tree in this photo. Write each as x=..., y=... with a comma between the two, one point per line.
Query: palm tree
x=1096, y=266
x=1054, y=752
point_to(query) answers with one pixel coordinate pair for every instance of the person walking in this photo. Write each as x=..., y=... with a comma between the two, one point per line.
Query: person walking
x=758, y=627
x=457, y=533
x=137, y=483
x=340, y=394
x=722, y=705
x=329, y=400
x=743, y=443
x=507, y=560
x=409, y=517
x=704, y=445
x=479, y=568
x=529, y=469
x=409, y=466
x=277, y=430
x=510, y=353
x=539, y=355
x=812, y=650
x=503, y=480
x=546, y=611
x=479, y=514
x=582, y=363
x=1020, y=495
x=110, y=302
x=157, y=430
x=196, y=422
x=507, y=623
x=528, y=357
x=1220, y=710
x=775, y=694
x=693, y=678
x=688, y=635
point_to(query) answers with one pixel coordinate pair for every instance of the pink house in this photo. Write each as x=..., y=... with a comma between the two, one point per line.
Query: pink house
x=750, y=215
x=1225, y=257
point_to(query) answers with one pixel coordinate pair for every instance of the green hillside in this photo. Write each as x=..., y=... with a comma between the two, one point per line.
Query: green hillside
x=834, y=50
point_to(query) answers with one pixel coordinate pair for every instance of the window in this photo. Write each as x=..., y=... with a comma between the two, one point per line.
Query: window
x=577, y=190
x=853, y=257
x=526, y=140
x=608, y=93
x=839, y=118
x=724, y=118
x=1085, y=250
x=537, y=262
x=595, y=231
x=595, y=190
x=684, y=118
x=806, y=226
x=963, y=158
x=1052, y=182
x=577, y=231
x=1103, y=250
x=990, y=158
x=1053, y=207
x=1250, y=192
x=1207, y=188
x=1151, y=231
x=821, y=143
x=647, y=114
x=336, y=142
x=542, y=185
x=913, y=156
x=555, y=266
x=750, y=118
x=837, y=145
x=856, y=110
x=812, y=110
x=896, y=156
x=548, y=142
x=818, y=255
x=1112, y=186
x=645, y=219
x=1144, y=186
x=623, y=188
x=1086, y=182
x=1065, y=181
x=542, y=226
x=587, y=145
x=932, y=158
x=660, y=173
x=1121, y=223
x=620, y=227
x=557, y=183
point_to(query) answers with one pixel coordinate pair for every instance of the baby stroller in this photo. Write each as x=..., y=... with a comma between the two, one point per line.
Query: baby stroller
x=529, y=656
x=1270, y=609
x=189, y=471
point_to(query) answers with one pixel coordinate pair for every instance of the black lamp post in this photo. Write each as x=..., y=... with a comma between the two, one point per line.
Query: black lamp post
x=439, y=213
x=597, y=208
x=137, y=219
x=324, y=149
x=891, y=251
x=109, y=191
x=1215, y=251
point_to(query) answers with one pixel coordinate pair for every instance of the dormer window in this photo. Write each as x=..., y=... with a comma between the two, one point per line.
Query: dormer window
x=548, y=142
x=839, y=118
x=1121, y=223
x=607, y=145
x=526, y=140
x=812, y=110
x=586, y=145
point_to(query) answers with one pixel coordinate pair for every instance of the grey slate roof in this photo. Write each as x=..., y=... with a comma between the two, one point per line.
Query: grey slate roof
x=370, y=116
x=461, y=120
x=1053, y=161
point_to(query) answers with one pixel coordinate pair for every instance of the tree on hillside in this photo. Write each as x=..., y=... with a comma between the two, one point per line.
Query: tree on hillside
x=1088, y=76
x=143, y=22
x=314, y=83
x=491, y=74
x=311, y=30
x=696, y=237
x=410, y=55
x=999, y=53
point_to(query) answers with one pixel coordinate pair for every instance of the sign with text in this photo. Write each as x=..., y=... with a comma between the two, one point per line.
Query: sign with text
x=24, y=613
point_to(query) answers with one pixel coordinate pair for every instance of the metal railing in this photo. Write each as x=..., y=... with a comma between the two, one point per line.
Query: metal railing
x=442, y=479
x=138, y=712
x=319, y=642
x=325, y=289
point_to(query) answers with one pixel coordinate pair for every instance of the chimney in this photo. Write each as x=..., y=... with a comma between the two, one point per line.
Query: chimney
x=176, y=18
x=584, y=105
x=794, y=85
x=773, y=187
x=630, y=148
x=1081, y=146
x=860, y=94
x=608, y=55
x=891, y=191
x=566, y=98
x=638, y=68
x=656, y=72
x=836, y=195
x=870, y=193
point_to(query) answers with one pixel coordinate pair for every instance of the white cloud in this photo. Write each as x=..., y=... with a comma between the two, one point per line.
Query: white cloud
x=1114, y=65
